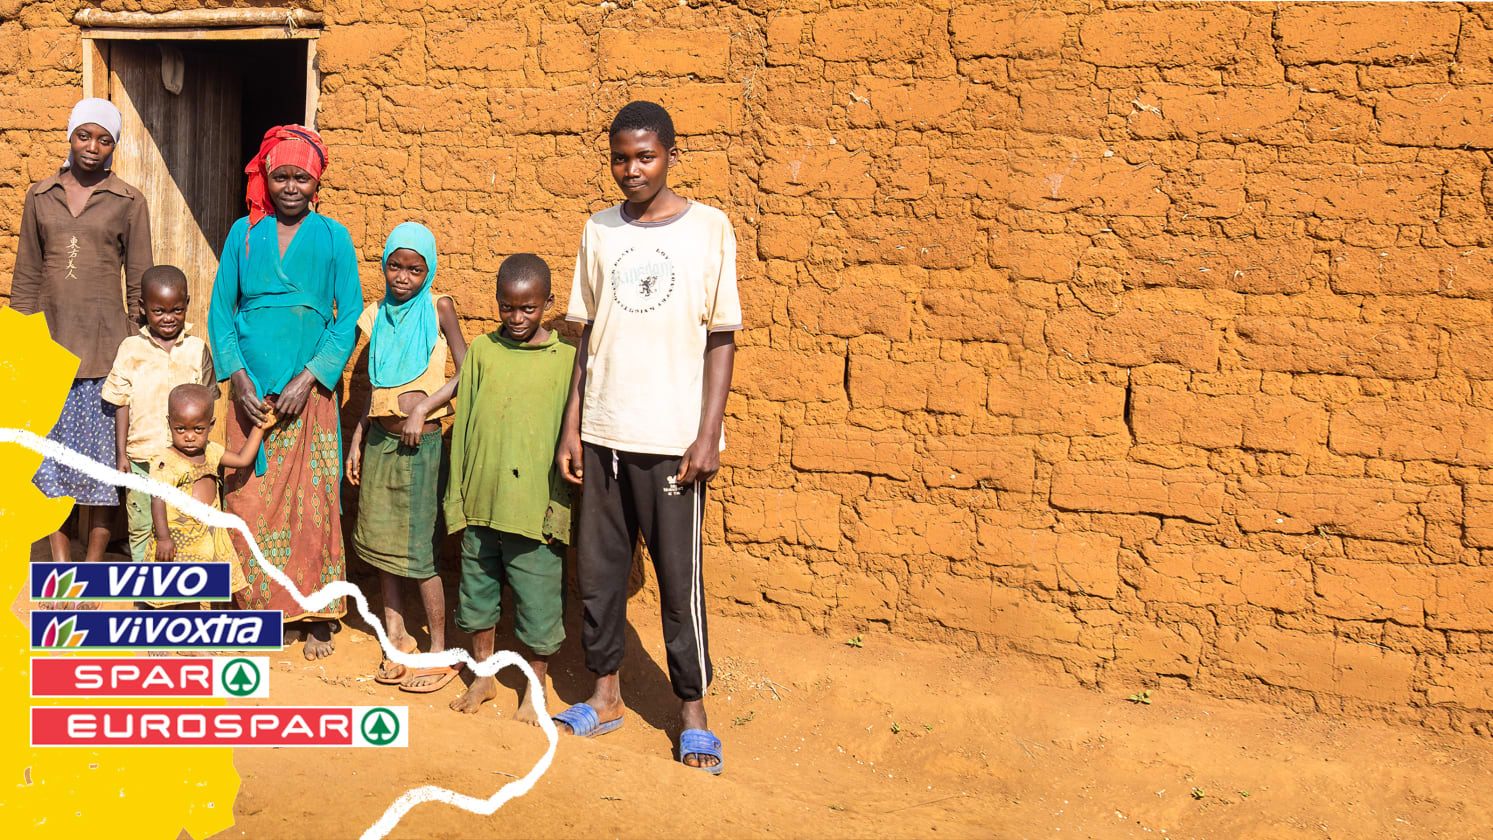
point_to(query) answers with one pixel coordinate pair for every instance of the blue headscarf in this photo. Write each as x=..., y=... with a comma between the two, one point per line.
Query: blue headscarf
x=404, y=333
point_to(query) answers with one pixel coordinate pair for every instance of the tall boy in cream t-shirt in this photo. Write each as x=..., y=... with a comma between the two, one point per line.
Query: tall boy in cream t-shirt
x=655, y=285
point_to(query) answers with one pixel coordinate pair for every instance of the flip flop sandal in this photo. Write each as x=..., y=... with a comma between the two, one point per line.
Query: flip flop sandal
x=447, y=673
x=585, y=722
x=701, y=742
x=385, y=676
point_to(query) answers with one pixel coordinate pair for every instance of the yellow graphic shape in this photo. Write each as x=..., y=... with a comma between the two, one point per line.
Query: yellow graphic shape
x=71, y=792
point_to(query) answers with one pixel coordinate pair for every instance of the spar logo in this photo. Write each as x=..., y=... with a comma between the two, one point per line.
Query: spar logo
x=241, y=677
x=62, y=634
x=128, y=676
x=60, y=586
x=380, y=727
x=131, y=581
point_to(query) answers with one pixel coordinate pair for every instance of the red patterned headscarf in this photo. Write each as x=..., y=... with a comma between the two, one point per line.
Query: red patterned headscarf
x=295, y=145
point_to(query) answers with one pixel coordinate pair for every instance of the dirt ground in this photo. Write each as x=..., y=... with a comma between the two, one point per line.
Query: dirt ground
x=891, y=739
x=887, y=740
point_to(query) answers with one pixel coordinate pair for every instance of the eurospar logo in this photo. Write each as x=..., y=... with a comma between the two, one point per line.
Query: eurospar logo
x=166, y=630
x=234, y=726
x=131, y=581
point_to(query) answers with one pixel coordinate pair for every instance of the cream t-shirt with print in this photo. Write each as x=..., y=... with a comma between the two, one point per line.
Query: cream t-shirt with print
x=652, y=292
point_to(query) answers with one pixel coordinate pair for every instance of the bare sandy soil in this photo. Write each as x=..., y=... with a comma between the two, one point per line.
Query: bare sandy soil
x=887, y=740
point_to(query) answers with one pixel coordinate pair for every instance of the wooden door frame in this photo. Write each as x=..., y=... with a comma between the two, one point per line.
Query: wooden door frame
x=96, y=65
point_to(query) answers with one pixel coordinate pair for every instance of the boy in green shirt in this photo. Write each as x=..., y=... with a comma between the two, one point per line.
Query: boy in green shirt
x=505, y=488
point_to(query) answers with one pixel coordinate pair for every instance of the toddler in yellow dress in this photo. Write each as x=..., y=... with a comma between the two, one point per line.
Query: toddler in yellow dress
x=193, y=464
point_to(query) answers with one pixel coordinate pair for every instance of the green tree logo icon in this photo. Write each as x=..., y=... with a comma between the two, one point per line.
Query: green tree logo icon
x=241, y=677
x=380, y=727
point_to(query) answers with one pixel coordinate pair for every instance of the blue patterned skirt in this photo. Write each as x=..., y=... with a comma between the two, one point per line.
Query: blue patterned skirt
x=87, y=427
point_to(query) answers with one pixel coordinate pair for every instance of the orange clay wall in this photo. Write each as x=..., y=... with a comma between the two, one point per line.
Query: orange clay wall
x=1152, y=341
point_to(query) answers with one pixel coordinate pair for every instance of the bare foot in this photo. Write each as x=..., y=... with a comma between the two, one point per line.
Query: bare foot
x=526, y=712
x=606, y=699
x=319, y=642
x=480, y=691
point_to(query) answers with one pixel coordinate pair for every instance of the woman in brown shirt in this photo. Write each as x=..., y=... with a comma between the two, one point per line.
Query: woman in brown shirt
x=80, y=229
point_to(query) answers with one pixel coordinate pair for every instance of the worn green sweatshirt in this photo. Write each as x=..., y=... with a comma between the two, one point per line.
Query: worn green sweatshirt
x=510, y=401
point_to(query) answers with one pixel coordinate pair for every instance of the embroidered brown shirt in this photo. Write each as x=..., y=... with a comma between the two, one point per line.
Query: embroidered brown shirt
x=68, y=267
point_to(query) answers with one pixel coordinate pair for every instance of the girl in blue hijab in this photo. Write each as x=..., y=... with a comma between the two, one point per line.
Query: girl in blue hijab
x=404, y=328
x=396, y=457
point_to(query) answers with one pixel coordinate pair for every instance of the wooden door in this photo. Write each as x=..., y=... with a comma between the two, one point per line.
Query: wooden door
x=182, y=150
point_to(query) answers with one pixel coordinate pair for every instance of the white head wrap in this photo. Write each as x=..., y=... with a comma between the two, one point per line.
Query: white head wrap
x=100, y=112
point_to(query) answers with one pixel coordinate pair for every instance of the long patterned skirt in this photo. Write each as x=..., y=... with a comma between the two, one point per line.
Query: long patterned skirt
x=87, y=427
x=294, y=509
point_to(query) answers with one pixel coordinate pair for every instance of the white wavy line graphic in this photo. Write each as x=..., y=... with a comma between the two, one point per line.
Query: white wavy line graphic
x=315, y=601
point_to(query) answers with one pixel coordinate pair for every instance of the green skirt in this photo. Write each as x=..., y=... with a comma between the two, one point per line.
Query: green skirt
x=399, y=503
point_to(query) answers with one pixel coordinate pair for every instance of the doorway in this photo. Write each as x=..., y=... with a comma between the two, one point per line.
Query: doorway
x=195, y=109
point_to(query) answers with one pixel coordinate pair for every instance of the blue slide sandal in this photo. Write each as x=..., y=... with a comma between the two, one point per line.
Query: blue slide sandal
x=583, y=721
x=702, y=742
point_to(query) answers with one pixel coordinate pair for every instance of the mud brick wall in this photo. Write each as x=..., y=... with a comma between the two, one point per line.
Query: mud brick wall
x=1153, y=341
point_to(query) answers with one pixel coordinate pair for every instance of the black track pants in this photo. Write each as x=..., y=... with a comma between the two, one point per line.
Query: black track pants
x=627, y=494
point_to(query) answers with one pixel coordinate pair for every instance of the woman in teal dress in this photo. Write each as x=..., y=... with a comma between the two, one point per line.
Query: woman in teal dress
x=282, y=323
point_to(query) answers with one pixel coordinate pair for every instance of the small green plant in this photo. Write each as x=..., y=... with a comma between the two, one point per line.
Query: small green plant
x=1141, y=697
x=742, y=720
x=896, y=728
x=1197, y=793
x=837, y=807
x=856, y=641
x=1244, y=793
x=928, y=726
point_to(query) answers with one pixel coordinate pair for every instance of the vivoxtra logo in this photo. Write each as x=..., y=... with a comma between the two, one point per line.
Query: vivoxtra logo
x=156, y=630
x=63, y=634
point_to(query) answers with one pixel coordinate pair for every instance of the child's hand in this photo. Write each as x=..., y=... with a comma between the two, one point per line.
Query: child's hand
x=568, y=457
x=122, y=463
x=413, y=428
x=355, y=465
x=165, y=550
x=270, y=416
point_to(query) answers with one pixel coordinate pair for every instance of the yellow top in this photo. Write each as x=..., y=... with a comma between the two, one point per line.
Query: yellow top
x=386, y=400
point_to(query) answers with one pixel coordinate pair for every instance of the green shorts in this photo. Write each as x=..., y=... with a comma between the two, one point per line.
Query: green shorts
x=534, y=570
x=137, y=511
